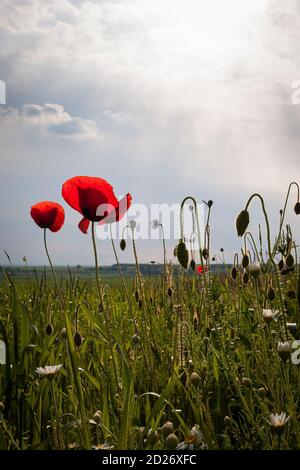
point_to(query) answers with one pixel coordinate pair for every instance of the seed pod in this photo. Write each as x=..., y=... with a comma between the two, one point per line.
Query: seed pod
x=245, y=278
x=78, y=339
x=182, y=254
x=281, y=265
x=297, y=208
x=172, y=441
x=49, y=329
x=140, y=304
x=289, y=261
x=122, y=244
x=242, y=222
x=233, y=273
x=271, y=294
x=192, y=265
x=170, y=291
x=136, y=295
x=245, y=261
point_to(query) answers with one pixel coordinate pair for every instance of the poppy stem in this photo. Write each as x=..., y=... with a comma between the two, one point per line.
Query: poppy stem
x=109, y=337
x=52, y=269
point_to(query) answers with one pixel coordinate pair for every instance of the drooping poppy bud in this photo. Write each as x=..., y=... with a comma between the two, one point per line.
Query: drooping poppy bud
x=182, y=254
x=233, y=273
x=122, y=244
x=289, y=261
x=297, y=208
x=192, y=265
x=170, y=291
x=271, y=294
x=245, y=278
x=281, y=265
x=242, y=222
x=245, y=261
x=78, y=339
x=49, y=329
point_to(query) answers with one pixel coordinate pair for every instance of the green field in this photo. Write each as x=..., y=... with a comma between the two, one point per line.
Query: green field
x=170, y=360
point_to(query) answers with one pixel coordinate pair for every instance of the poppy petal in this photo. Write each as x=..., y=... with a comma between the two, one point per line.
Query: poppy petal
x=118, y=212
x=48, y=214
x=84, y=225
x=86, y=194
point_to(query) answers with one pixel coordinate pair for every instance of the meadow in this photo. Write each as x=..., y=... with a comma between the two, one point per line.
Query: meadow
x=190, y=358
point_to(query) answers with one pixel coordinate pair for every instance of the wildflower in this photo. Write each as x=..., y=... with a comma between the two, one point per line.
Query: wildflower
x=48, y=214
x=155, y=224
x=284, y=350
x=87, y=194
x=278, y=422
x=200, y=269
x=269, y=315
x=48, y=371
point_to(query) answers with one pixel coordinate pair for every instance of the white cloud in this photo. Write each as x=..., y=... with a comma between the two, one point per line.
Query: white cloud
x=190, y=96
x=49, y=119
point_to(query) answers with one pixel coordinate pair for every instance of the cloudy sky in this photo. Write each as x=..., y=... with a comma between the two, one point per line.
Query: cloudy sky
x=163, y=98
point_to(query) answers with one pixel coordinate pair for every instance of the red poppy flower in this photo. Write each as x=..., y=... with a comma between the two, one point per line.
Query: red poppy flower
x=200, y=269
x=48, y=214
x=94, y=198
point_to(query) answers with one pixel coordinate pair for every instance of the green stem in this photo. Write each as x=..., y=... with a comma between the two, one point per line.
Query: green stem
x=270, y=254
x=101, y=300
x=52, y=269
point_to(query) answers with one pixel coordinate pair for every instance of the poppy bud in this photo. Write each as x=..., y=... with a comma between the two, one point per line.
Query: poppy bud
x=192, y=265
x=284, y=350
x=100, y=307
x=297, y=208
x=289, y=261
x=254, y=270
x=78, y=339
x=209, y=203
x=245, y=278
x=136, y=295
x=182, y=254
x=271, y=294
x=172, y=441
x=122, y=244
x=233, y=273
x=205, y=253
x=151, y=300
x=242, y=222
x=49, y=329
x=135, y=339
x=152, y=436
x=280, y=265
x=167, y=429
x=170, y=291
x=140, y=303
x=245, y=261
x=194, y=379
x=98, y=417
x=246, y=382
